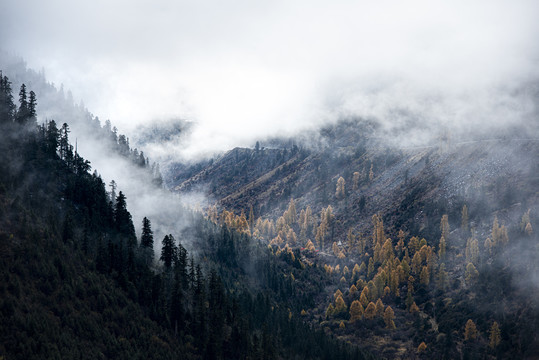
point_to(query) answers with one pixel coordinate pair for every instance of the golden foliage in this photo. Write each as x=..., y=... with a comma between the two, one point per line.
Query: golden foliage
x=470, y=330
x=495, y=337
x=370, y=311
x=389, y=315
x=356, y=311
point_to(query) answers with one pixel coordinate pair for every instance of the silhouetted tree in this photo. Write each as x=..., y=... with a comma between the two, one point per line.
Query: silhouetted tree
x=146, y=241
x=168, y=251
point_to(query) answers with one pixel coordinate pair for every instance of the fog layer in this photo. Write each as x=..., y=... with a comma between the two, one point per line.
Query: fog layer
x=243, y=70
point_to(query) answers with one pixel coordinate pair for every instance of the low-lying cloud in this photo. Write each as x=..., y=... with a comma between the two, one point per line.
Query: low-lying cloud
x=245, y=70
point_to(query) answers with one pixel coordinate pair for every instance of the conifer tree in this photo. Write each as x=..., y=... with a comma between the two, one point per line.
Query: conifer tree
x=370, y=311
x=340, y=191
x=424, y=277
x=471, y=274
x=470, y=330
x=364, y=297
x=379, y=307
x=444, y=227
x=330, y=310
x=442, y=248
x=340, y=306
x=7, y=106
x=168, y=251
x=495, y=337
x=356, y=311
x=122, y=217
x=389, y=315
x=355, y=181
x=146, y=241
x=442, y=277
x=23, y=112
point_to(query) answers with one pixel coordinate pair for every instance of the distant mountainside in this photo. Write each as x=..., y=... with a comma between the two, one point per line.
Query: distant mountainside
x=486, y=174
x=345, y=194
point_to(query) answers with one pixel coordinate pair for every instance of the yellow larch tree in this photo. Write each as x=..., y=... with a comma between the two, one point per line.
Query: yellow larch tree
x=444, y=226
x=340, y=306
x=353, y=290
x=424, y=277
x=470, y=330
x=355, y=181
x=379, y=307
x=340, y=190
x=442, y=248
x=356, y=311
x=495, y=336
x=389, y=315
x=370, y=311
x=364, y=297
x=471, y=274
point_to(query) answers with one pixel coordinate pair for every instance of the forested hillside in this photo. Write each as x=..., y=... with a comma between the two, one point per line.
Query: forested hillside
x=78, y=283
x=432, y=251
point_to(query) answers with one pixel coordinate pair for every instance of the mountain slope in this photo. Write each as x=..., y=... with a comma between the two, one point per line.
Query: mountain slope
x=479, y=195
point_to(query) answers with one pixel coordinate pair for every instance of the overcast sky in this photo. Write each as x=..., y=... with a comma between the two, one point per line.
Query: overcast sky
x=245, y=69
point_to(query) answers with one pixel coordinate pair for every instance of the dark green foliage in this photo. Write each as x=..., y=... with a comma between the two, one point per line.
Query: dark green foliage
x=146, y=241
x=169, y=252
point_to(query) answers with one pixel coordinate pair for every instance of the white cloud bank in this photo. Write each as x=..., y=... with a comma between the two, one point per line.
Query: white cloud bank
x=246, y=69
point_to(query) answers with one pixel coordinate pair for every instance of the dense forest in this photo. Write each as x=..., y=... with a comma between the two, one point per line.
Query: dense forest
x=78, y=283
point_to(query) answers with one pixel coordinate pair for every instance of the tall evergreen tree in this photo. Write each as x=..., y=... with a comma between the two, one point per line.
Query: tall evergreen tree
x=168, y=251
x=23, y=112
x=7, y=107
x=146, y=241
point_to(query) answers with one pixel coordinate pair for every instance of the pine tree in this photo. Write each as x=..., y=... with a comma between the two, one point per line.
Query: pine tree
x=389, y=315
x=424, y=277
x=356, y=311
x=495, y=337
x=168, y=251
x=122, y=217
x=340, y=191
x=444, y=227
x=470, y=330
x=471, y=274
x=51, y=139
x=370, y=311
x=146, y=241
x=379, y=307
x=442, y=277
x=340, y=306
x=422, y=347
x=330, y=310
x=355, y=181
x=472, y=251
x=23, y=112
x=364, y=297
x=7, y=106
x=442, y=248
